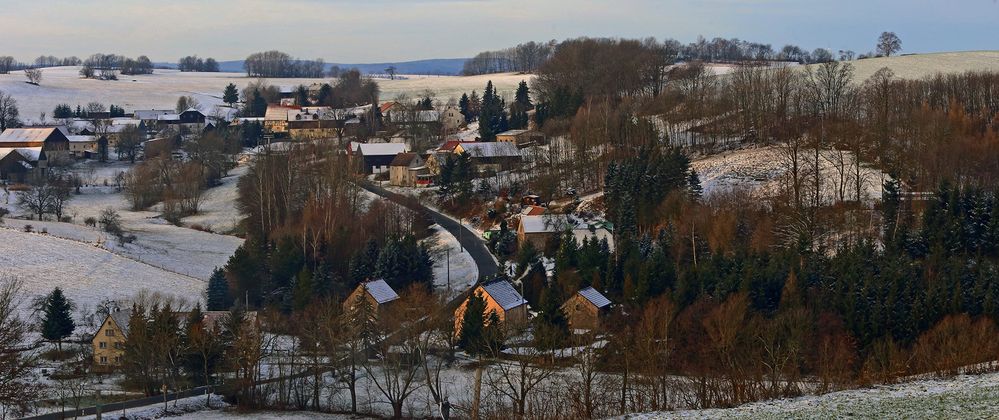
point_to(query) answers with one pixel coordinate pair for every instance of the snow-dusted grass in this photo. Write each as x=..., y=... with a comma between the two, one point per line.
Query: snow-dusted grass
x=161, y=89
x=762, y=171
x=973, y=396
x=86, y=273
x=918, y=66
x=218, y=213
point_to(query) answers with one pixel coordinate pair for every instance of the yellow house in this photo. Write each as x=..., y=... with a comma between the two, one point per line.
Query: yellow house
x=109, y=341
x=500, y=297
x=521, y=138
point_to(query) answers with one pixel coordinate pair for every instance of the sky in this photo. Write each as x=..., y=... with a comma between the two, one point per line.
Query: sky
x=366, y=31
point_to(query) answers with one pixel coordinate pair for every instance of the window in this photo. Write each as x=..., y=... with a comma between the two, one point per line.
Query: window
x=118, y=346
x=109, y=332
x=104, y=360
x=102, y=345
x=117, y=359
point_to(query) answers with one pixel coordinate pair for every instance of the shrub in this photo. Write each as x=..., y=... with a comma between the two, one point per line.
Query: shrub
x=29, y=228
x=67, y=219
x=90, y=221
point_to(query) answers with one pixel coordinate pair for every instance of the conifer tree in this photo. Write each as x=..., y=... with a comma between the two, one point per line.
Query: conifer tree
x=230, y=95
x=471, y=337
x=57, y=323
x=218, y=291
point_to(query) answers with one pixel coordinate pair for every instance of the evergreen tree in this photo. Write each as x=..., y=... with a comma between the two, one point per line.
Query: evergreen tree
x=492, y=116
x=463, y=107
x=219, y=298
x=551, y=325
x=471, y=337
x=57, y=323
x=694, y=184
x=230, y=95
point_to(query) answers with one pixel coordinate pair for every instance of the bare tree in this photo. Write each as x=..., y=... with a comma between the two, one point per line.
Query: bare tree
x=888, y=44
x=34, y=76
x=10, y=116
x=18, y=384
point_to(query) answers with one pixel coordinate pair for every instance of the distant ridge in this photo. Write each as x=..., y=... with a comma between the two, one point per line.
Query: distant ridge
x=434, y=66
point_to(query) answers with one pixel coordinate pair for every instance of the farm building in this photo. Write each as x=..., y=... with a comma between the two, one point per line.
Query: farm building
x=17, y=165
x=51, y=140
x=521, y=138
x=539, y=229
x=586, y=308
x=409, y=170
x=491, y=156
x=375, y=158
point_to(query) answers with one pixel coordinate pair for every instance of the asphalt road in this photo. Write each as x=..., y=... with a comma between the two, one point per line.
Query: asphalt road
x=472, y=242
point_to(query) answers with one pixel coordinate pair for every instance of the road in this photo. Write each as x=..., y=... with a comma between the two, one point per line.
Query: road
x=472, y=242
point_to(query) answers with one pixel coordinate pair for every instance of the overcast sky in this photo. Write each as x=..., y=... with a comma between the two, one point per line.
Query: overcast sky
x=360, y=31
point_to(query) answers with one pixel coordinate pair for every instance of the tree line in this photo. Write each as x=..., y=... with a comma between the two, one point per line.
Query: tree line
x=280, y=64
x=195, y=63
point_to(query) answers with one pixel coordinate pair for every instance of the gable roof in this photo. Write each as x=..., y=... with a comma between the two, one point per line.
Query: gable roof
x=595, y=297
x=381, y=149
x=547, y=223
x=513, y=132
x=30, y=154
x=150, y=114
x=121, y=319
x=28, y=135
x=404, y=159
x=504, y=294
x=381, y=291
x=490, y=149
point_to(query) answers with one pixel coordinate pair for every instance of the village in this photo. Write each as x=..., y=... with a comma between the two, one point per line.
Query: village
x=592, y=227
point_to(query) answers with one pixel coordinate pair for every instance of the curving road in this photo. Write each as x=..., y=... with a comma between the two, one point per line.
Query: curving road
x=472, y=242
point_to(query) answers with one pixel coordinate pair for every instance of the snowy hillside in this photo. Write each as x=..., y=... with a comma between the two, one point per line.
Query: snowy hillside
x=86, y=273
x=161, y=89
x=918, y=66
x=967, y=397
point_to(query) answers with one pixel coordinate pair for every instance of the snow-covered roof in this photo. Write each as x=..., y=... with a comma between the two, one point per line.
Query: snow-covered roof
x=504, y=294
x=150, y=114
x=80, y=139
x=547, y=223
x=168, y=117
x=595, y=297
x=29, y=153
x=121, y=318
x=381, y=149
x=491, y=149
x=513, y=132
x=381, y=291
x=26, y=135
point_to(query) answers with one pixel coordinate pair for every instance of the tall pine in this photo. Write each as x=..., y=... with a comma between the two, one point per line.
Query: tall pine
x=58, y=321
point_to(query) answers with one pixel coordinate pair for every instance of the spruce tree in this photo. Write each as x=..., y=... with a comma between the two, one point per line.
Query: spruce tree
x=471, y=337
x=58, y=319
x=230, y=95
x=463, y=105
x=218, y=291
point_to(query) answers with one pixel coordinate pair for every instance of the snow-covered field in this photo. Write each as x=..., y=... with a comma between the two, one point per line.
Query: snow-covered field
x=161, y=89
x=964, y=397
x=918, y=66
x=218, y=213
x=762, y=170
x=86, y=273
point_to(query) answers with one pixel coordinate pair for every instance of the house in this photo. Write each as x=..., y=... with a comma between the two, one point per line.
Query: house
x=377, y=294
x=17, y=165
x=151, y=116
x=409, y=170
x=51, y=140
x=533, y=211
x=375, y=158
x=451, y=119
x=539, y=229
x=521, y=138
x=491, y=156
x=109, y=341
x=276, y=119
x=501, y=298
x=586, y=308
x=82, y=146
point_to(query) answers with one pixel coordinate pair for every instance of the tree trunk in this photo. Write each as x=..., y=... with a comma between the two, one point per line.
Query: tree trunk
x=477, y=393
